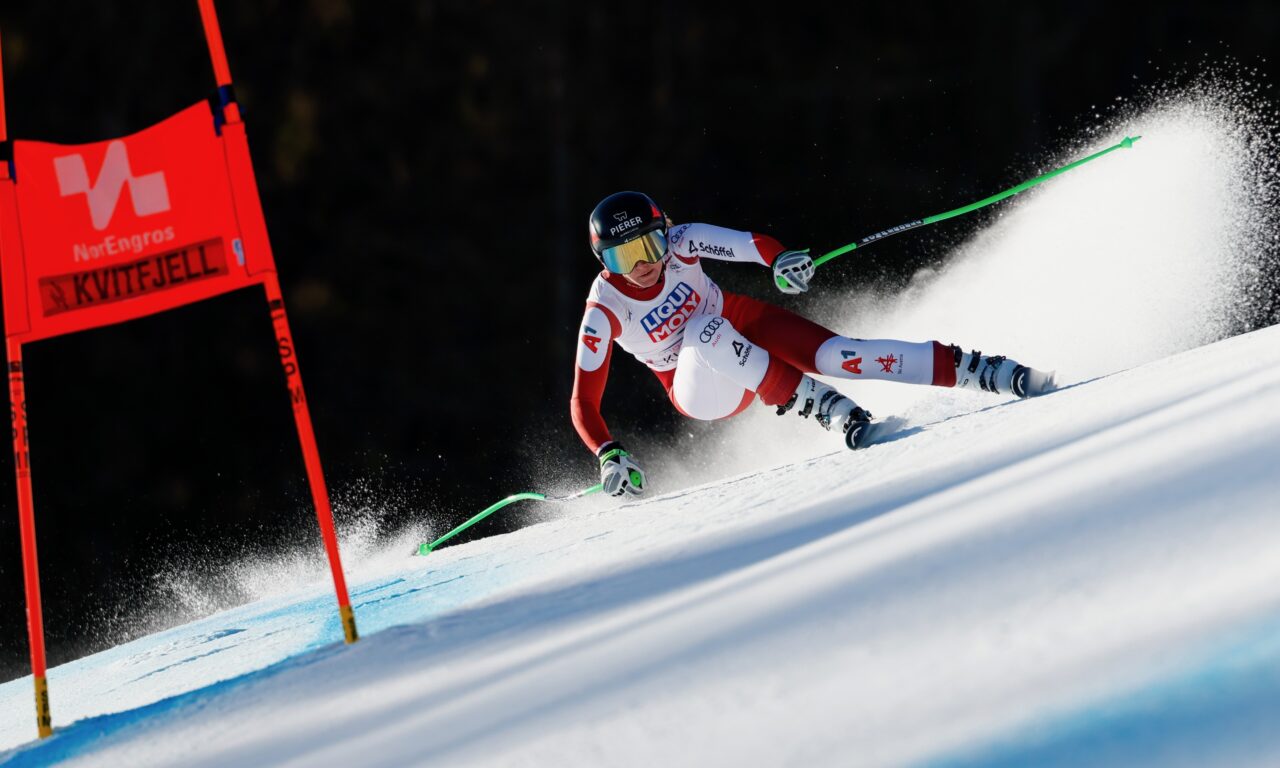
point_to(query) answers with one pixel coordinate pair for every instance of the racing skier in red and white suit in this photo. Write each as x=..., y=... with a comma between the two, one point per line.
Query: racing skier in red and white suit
x=715, y=352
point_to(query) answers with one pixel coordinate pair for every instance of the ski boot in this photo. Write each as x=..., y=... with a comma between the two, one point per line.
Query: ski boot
x=999, y=375
x=832, y=411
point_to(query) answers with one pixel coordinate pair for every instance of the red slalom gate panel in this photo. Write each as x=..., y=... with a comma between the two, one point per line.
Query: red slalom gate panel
x=124, y=228
x=100, y=233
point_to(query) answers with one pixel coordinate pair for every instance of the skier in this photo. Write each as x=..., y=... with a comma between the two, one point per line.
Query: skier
x=715, y=352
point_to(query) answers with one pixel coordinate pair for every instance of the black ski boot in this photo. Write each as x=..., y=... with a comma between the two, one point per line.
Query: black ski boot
x=832, y=410
x=998, y=375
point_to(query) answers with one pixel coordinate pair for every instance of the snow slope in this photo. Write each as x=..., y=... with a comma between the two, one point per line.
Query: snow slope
x=1090, y=574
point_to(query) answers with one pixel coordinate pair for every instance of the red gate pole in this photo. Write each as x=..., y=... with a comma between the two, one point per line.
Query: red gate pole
x=213, y=36
x=310, y=453
x=27, y=526
x=218, y=55
x=26, y=507
x=284, y=341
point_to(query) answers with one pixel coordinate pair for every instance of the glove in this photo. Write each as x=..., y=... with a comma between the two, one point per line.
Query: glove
x=792, y=271
x=618, y=473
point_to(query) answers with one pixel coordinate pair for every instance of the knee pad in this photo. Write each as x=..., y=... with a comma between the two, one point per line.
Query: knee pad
x=718, y=346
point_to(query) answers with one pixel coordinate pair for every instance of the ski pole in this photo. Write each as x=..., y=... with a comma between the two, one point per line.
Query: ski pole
x=426, y=548
x=882, y=234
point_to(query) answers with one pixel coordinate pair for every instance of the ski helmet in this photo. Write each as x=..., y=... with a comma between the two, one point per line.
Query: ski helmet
x=628, y=228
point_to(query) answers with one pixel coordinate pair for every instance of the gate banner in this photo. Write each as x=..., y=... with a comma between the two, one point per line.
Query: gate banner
x=119, y=229
x=95, y=234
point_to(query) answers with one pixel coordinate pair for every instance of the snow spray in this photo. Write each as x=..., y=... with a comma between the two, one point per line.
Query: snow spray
x=1115, y=264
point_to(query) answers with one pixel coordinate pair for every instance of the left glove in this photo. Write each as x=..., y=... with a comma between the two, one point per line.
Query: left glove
x=792, y=271
x=619, y=474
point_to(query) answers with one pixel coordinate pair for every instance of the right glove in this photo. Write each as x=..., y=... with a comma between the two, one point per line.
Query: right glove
x=792, y=271
x=618, y=473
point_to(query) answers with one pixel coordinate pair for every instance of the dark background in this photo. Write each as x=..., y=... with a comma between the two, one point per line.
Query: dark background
x=426, y=169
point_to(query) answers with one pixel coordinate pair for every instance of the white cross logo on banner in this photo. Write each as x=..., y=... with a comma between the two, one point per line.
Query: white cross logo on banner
x=149, y=192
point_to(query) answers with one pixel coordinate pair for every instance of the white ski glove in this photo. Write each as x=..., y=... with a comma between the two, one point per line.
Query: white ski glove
x=792, y=271
x=618, y=473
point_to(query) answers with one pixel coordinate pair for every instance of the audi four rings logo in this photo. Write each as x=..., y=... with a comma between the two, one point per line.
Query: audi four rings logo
x=710, y=330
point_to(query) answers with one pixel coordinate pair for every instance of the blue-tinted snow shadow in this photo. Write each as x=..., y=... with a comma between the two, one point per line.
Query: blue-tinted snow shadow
x=376, y=607
x=1222, y=709
x=83, y=736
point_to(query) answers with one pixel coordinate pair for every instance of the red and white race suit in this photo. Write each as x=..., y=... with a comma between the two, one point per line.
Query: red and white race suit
x=713, y=351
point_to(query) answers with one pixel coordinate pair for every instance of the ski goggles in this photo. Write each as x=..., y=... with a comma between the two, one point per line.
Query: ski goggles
x=646, y=249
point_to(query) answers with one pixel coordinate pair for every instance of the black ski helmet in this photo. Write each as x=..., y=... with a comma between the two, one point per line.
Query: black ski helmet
x=621, y=218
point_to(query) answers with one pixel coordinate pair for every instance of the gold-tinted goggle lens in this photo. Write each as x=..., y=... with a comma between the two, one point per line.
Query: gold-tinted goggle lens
x=648, y=248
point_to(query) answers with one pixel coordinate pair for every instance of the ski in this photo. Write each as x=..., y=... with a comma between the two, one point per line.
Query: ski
x=1040, y=383
x=427, y=547
x=877, y=431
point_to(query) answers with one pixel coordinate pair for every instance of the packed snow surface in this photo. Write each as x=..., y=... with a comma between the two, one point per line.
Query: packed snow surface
x=1089, y=573
x=1084, y=578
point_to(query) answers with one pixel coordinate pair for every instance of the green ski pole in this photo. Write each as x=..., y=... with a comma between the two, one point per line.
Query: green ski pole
x=426, y=548
x=882, y=234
